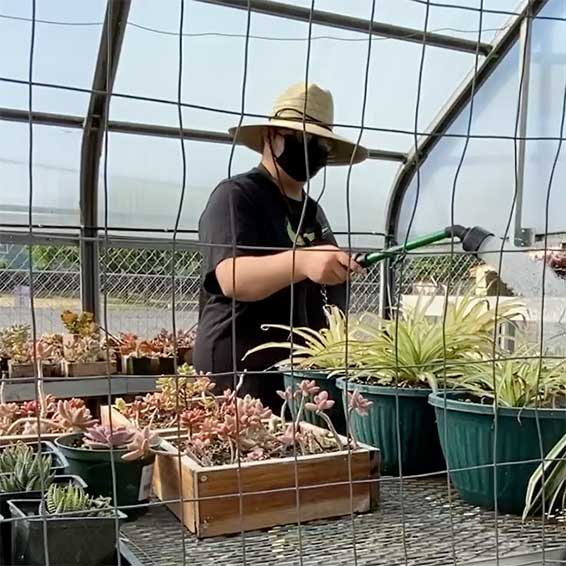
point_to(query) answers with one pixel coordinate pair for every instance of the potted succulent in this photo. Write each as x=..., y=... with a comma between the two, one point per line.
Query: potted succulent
x=160, y=410
x=525, y=395
x=185, y=344
x=84, y=355
x=16, y=347
x=143, y=359
x=315, y=355
x=25, y=473
x=93, y=454
x=81, y=529
x=401, y=361
x=233, y=437
x=47, y=415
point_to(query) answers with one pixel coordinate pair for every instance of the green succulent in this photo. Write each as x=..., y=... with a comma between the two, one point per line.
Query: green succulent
x=24, y=469
x=73, y=499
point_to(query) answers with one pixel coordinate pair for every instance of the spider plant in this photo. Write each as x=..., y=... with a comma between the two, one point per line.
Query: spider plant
x=323, y=349
x=417, y=350
x=548, y=483
x=523, y=380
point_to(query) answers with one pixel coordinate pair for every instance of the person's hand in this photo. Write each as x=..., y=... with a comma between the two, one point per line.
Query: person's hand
x=326, y=265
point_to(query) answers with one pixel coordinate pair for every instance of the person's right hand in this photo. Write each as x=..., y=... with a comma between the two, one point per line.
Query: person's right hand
x=326, y=265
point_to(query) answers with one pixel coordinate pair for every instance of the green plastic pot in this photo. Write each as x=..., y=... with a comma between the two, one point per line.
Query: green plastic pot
x=321, y=379
x=420, y=447
x=133, y=479
x=469, y=443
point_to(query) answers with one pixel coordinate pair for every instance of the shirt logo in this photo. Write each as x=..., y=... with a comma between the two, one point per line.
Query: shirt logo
x=300, y=239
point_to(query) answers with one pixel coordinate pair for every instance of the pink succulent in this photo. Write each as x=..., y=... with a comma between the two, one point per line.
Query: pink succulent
x=321, y=403
x=286, y=395
x=255, y=455
x=308, y=387
x=74, y=416
x=359, y=403
x=203, y=384
x=102, y=437
x=141, y=445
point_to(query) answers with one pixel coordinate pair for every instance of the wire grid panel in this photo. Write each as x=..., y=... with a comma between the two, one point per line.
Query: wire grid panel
x=56, y=282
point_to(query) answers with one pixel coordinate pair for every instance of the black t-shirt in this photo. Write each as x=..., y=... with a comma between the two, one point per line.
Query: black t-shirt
x=252, y=206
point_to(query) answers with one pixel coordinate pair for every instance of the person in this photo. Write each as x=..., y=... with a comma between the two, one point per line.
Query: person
x=248, y=230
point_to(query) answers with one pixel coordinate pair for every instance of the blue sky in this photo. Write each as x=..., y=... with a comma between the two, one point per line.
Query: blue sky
x=145, y=173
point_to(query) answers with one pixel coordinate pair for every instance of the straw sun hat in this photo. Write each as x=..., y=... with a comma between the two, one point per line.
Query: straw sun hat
x=319, y=117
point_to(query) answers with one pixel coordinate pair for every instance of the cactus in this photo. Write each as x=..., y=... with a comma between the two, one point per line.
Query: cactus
x=71, y=499
x=23, y=469
x=102, y=437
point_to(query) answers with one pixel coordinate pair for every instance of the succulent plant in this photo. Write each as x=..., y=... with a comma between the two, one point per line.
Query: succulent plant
x=102, y=437
x=72, y=499
x=15, y=343
x=73, y=415
x=141, y=445
x=50, y=347
x=79, y=323
x=24, y=469
x=83, y=349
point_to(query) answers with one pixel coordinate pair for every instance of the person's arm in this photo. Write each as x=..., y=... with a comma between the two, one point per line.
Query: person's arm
x=250, y=278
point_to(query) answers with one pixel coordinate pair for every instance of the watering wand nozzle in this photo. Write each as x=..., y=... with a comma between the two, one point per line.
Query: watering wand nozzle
x=471, y=238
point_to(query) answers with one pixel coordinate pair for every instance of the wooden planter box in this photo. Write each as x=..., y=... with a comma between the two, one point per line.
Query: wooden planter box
x=212, y=497
x=16, y=370
x=72, y=369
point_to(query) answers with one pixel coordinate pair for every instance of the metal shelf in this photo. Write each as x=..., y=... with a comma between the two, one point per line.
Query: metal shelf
x=23, y=389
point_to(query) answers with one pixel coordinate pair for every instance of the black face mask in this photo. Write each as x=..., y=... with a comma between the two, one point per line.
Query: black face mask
x=292, y=160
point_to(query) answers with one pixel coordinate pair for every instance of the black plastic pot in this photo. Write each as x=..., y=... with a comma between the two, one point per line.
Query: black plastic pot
x=322, y=380
x=88, y=541
x=467, y=434
x=150, y=366
x=133, y=479
x=417, y=435
x=6, y=528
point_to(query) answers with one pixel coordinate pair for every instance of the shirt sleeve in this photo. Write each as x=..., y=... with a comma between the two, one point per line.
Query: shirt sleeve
x=229, y=219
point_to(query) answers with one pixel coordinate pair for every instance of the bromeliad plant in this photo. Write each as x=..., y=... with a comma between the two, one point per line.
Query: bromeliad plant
x=547, y=486
x=235, y=429
x=24, y=469
x=70, y=500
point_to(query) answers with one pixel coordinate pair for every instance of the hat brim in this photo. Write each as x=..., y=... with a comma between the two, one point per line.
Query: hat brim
x=252, y=136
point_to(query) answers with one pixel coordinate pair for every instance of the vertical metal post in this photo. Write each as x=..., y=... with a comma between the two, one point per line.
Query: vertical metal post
x=523, y=236
x=111, y=40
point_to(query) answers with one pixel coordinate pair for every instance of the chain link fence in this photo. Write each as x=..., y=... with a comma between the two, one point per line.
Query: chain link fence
x=136, y=285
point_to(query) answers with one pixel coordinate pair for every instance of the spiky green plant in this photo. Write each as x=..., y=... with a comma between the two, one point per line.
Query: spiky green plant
x=70, y=499
x=323, y=349
x=415, y=349
x=548, y=483
x=23, y=469
x=523, y=380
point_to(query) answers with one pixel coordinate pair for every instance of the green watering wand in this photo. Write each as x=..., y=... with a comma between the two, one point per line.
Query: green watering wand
x=471, y=238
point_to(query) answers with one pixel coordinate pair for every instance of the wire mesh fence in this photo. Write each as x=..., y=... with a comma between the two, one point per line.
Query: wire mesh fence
x=139, y=288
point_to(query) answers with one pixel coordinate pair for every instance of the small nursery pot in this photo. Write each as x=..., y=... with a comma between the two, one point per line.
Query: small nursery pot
x=6, y=528
x=133, y=479
x=58, y=461
x=142, y=366
x=322, y=380
x=88, y=541
x=469, y=443
x=420, y=447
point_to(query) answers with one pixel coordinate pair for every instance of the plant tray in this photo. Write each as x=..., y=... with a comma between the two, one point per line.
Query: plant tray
x=26, y=370
x=220, y=500
x=71, y=369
